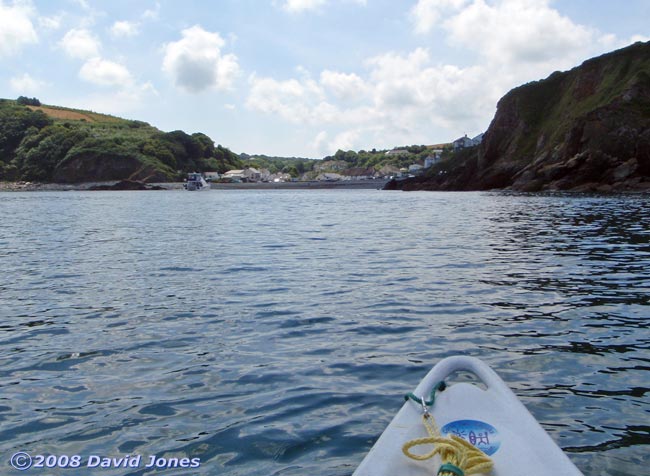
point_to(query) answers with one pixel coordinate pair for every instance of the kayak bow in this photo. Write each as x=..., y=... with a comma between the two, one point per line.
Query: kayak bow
x=492, y=420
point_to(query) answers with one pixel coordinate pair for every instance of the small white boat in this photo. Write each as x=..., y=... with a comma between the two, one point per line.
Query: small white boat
x=195, y=181
x=491, y=418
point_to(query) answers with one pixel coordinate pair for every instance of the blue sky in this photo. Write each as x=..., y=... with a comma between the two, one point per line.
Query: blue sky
x=302, y=77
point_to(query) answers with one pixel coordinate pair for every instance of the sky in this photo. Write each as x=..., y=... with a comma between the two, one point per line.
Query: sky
x=302, y=77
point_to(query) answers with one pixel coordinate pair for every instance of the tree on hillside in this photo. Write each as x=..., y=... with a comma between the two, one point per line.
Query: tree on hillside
x=15, y=121
x=159, y=150
x=25, y=101
x=205, y=144
x=41, y=151
x=349, y=156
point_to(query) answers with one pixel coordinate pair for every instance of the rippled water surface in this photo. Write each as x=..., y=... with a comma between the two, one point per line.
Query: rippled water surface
x=274, y=332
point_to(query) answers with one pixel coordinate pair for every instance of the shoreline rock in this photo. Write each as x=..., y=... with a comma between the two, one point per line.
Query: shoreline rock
x=126, y=185
x=78, y=187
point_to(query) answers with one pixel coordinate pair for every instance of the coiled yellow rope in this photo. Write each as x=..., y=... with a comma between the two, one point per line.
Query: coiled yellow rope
x=459, y=457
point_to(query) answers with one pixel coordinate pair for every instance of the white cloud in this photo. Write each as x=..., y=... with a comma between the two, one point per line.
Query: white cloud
x=346, y=140
x=119, y=102
x=344, y=86
x=120, y=93
x=16, y=28
x=427, y=13
x=408, y=97
x=305, y=100
x=195, y=61
x=411, y=92
x=105, y=73
x=25, y=84
x=636, y=38
x=303, y=5
x=50, y=23
x=80, y=43
x=516, y=31
x=294, y=100
x=121, y=29
x=319, y=143
x=609, y=42
x=401, y=99
x=152, y=13
x=298, y=6
x=83, y=4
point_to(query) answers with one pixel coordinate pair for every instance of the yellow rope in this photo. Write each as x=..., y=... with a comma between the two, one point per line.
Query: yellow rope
x=459, y=457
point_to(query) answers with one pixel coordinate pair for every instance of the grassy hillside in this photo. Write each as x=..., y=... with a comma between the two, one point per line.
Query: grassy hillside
x=67, y=114
x=56, y=144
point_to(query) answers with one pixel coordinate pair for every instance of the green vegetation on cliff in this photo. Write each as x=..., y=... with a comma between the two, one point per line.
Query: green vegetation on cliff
x=341, y=161
x=294, y=166
x=55, y=144
x=377, y=159
x=583, y=129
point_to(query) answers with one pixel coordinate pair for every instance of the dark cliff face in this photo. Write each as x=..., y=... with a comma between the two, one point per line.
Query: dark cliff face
x=105, y=167
x=584, y=129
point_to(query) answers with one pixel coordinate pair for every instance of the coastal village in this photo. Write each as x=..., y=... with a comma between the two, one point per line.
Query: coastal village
x=132, y=155
x=339, y=170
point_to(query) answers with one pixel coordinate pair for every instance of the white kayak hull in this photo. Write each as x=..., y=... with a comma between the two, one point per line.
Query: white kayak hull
x=493, y=419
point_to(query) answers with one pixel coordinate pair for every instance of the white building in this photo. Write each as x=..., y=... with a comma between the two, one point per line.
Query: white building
x=251, y=174
x=433, y=158
x=234, y=174
x=246, y=175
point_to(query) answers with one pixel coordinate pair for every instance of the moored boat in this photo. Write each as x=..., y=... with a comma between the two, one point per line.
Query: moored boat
x=196, y=182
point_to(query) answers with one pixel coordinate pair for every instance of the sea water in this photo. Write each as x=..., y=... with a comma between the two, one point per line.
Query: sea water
x=275, y=332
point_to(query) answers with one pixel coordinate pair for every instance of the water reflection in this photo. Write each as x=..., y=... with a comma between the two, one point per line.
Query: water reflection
x=280, y=339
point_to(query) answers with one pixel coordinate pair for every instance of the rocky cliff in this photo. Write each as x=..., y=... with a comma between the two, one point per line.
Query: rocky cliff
x=583, y=129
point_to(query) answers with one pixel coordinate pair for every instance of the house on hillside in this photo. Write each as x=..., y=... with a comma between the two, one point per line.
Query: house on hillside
x=415, y=168
x=211, y=176
x=234, y=175
x=251, y=174
x=465, y=141
x=462, y=142
x=433, y=158
x=265, y=175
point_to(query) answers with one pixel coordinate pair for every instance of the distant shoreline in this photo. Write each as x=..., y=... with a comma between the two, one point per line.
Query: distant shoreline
x=311, y=185
x=48, y=187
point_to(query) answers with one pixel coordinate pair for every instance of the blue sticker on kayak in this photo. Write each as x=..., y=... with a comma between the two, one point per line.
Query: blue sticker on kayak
x=482, y=435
